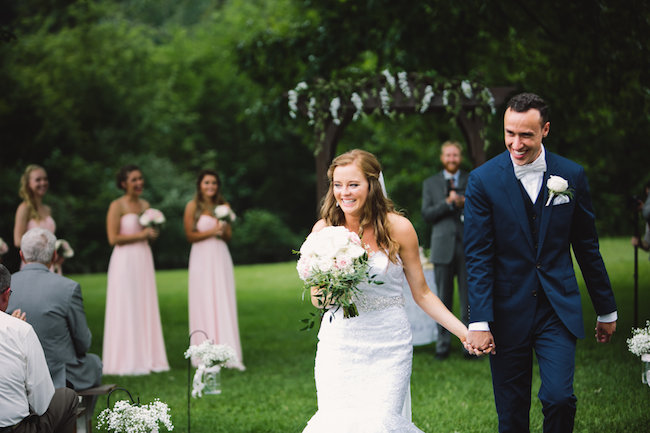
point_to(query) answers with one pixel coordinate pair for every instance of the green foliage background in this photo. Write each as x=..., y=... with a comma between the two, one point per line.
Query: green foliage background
x=175, y=86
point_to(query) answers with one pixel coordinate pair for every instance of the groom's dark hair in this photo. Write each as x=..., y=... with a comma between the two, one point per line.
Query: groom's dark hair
x=526, y=101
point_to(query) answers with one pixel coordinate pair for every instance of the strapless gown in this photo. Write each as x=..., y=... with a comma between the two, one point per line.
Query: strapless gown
x=363, y=364
x=133, y=339
x=47, y=224
x=211, y=291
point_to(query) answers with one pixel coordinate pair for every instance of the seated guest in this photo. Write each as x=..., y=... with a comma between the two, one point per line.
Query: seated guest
x=28, y=400
x=54, y=307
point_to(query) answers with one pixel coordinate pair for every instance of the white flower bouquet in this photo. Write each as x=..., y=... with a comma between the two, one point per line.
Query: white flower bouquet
x=639, y=343
x=209, y=355
x=63, y=249
x=127, y=418
x=4, y=248
x=224, y=213
x=334, y=260
x=152, y=218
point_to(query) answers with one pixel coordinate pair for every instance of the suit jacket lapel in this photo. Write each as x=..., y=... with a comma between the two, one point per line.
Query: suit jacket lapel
x=551, y=169
x=512, y=190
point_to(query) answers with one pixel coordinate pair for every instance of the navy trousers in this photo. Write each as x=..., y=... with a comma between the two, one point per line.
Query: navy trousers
x=512, y=369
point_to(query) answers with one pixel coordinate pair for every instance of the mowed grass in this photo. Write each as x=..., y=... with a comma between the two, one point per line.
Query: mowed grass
x=277, y=394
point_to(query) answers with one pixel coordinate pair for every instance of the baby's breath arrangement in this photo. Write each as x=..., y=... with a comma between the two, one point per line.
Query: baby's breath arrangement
x=209, y=355
x=127, y=418
x=639, y=343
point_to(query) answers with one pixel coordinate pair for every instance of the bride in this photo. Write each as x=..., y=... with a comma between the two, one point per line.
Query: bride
x=363, y=363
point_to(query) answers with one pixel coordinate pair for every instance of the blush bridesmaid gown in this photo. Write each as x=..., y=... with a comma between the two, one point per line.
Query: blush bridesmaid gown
x=212, y=301
x=133, y=339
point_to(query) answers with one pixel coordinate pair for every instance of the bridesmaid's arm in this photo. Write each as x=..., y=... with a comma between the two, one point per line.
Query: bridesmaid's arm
x=113, y=228
x=20, y=223
x=189, y=224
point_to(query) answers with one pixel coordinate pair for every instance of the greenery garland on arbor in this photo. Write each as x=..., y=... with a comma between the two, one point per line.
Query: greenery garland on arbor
x=387, y=94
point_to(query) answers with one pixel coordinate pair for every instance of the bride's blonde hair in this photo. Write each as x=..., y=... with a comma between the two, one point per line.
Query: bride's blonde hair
x=375, y=210
x=26, y=193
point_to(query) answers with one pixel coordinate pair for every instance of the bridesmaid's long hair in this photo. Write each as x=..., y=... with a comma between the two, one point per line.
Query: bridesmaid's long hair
x=203, y=203
x=26, y=193
x=377, y=206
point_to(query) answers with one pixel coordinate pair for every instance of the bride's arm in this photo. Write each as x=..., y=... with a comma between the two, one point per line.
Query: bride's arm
x=403, y=232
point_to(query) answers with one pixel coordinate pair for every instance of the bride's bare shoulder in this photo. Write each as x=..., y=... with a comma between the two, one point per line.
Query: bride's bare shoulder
x=320, y=224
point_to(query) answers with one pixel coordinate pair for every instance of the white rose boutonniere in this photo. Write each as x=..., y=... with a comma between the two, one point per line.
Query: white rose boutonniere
x=557, y=186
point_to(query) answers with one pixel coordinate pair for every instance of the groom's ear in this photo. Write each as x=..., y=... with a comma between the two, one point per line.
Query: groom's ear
x=545, y=129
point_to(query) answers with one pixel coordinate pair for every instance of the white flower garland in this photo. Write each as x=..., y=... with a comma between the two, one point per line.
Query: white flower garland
x=346, y=93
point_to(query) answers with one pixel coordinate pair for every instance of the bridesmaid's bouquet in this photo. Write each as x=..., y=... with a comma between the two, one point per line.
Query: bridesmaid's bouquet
x=152, y=218
x=334, y=260
x=63, y=249
x=127, y=418
x=224, y=213
x=4, y=248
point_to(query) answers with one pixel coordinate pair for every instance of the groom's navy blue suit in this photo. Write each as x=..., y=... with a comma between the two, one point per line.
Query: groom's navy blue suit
x=521, y=281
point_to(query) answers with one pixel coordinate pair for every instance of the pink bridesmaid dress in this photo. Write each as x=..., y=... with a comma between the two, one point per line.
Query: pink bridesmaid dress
x=133, y=339
x=47, y=224
x=212, y=301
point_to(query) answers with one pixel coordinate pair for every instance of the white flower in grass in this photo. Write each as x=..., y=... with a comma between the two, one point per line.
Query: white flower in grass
x=402, y=78
x=335, y=104
x=426, y=99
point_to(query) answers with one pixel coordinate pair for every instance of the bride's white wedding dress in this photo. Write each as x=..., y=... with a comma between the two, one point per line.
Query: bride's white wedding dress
x=363, y=364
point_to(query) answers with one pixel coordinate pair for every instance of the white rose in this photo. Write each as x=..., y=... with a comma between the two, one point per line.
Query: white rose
x=557, y=184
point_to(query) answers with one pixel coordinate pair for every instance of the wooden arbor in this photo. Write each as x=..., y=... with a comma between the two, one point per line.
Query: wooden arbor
x=329, y=132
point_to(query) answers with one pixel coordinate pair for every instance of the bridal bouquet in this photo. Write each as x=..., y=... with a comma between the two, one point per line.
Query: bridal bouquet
x=152, y=218
x=3, y=247
x=224, y=213
x=334, y=260
x=639, y=344
x=63, y=249
x=209, y=355
x=127, y=418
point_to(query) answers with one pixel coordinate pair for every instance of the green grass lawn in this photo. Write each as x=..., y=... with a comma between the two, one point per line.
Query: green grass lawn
x=277, y=394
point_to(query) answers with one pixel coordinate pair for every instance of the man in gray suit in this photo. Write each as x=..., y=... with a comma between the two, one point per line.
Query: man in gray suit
x=54, y=307
x=442, y=206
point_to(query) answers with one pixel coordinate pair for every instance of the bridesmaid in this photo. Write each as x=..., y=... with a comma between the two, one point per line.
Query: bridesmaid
x=212, y=300
x=133, y=339
x=32, y=212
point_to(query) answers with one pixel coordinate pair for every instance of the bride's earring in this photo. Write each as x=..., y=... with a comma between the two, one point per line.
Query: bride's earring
x=337, y=204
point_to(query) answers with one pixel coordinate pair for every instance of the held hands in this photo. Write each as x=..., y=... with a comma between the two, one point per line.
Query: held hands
x=480, y=343
x=19, y=315
x=604, y=331
x=457, y=199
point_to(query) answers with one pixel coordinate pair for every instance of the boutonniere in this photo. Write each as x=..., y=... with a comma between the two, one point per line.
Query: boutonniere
x=557, y=186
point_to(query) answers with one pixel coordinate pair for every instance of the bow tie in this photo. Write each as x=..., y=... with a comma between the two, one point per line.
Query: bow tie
x=536, y=167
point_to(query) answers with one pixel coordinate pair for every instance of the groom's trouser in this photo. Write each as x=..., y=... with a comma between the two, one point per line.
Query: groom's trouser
x=511, y=367
x=444, y=277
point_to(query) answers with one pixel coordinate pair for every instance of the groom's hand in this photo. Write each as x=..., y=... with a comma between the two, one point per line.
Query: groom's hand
x=481, y=341
x=604, y=331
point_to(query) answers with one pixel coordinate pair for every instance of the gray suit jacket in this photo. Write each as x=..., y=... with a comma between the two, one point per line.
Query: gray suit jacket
x=445, y=219
x=54, y=307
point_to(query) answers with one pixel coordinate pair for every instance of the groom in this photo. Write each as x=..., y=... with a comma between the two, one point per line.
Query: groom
x=523, y=292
